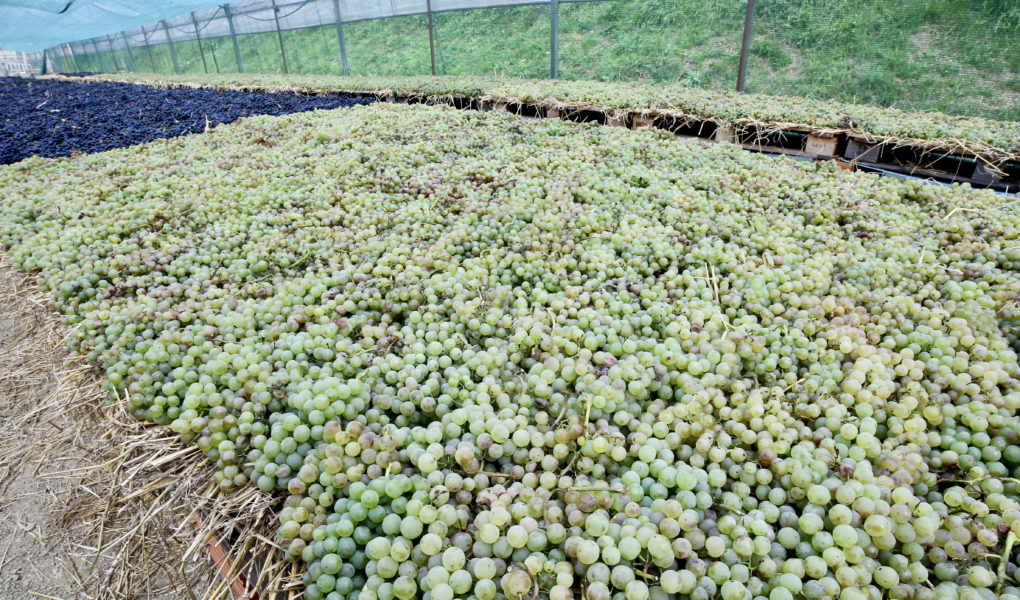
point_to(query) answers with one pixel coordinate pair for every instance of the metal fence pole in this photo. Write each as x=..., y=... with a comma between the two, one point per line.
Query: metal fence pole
x=148, y=49
x=432, y=36
x=70, y=54
x=233, y=37
x=88, y=59
x=43, y=62
x=340, y=36
x=123, y=62
x=127, y=50
x=198, y=38
x=114, y=55
x=99, y=61
x=279, y=36
x=216, y=63
x=170, y=42
x=745, y=48
x=554, y=41
x=81, y=58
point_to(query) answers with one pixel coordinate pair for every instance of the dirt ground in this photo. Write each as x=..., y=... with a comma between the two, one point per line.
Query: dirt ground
x=46, y=455
x=96, y=505
x=32, y=563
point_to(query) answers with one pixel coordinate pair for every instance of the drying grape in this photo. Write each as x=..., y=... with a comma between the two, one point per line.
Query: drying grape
x=479, y=356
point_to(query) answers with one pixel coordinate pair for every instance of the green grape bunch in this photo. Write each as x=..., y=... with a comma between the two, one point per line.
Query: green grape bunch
x=492, y=359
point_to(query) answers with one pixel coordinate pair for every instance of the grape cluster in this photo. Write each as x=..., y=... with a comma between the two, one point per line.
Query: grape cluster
x=46, y=117
x=495, y=359
x=998, y=140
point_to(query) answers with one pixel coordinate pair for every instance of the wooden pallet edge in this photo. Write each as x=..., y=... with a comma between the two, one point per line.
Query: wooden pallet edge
x=223, y=561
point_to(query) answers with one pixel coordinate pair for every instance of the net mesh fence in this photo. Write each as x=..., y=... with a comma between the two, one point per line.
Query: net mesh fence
x=954, y=56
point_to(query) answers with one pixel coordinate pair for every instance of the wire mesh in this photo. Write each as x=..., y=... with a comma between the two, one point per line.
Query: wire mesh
x=512, y=41
x=947, y=55
x=696, y=42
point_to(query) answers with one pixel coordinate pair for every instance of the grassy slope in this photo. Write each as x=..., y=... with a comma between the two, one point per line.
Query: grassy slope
x=954, y=56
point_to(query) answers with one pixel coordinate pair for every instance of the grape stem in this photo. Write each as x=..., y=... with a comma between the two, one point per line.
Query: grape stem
x=591, y=488
x=738, y=511
x=977, y=480
x=298, y=262
x=492, y=474
x=1004, y=559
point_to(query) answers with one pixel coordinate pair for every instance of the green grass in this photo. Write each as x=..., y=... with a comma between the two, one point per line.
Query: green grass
x=953, y=56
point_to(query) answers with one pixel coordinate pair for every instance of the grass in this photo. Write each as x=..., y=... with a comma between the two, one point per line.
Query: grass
x=957, y=57
x=994, y=140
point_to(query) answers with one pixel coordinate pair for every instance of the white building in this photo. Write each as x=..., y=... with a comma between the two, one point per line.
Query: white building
x=19, y=64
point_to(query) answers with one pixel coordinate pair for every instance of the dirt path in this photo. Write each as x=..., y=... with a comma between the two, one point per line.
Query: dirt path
x=49, y=458
x=31, y=541
x=94, y=504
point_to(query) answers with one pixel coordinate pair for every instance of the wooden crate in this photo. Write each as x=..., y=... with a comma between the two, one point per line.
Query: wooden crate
x=860, y=150
x=985, y=175
x=642, y=120
x=725, y=134
x=618, y=120
x=820, y=146
x=223, y=560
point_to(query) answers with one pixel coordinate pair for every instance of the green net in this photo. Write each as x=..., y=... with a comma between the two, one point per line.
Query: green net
x=958, y=57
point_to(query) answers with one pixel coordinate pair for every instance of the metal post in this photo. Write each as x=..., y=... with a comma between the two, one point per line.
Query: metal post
x=198, y=38
x=43, y=62
x=73, y=61
x=340, y=36
x=554, y=42
x=83, y=54
x=148, y=49
x=87, y=58
x=170, y=42
x=745, y=48
x=99, y=62
x=279, y=36
x=123, y=62
x=432, y=37
x=113, y=54
x=233, y=37
x=216, y=63
x=128, y=52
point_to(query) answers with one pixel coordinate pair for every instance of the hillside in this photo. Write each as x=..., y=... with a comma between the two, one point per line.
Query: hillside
x=953, y=57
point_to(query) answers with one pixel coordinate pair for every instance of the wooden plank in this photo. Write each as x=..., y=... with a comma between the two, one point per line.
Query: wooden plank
x=642, y=120
x=984, y=175
x=224, y=563
x=862, y=151
x=757, y=147
x=821, y=146
x=619, y=120
x=725, y=134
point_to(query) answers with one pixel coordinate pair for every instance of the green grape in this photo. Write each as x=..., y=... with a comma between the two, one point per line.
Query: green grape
x=479, y=356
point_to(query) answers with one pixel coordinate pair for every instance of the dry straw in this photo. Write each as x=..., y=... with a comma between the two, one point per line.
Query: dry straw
x=992, y=157
x=138, y=509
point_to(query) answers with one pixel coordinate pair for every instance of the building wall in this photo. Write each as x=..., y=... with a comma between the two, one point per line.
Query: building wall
x=15, y=63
